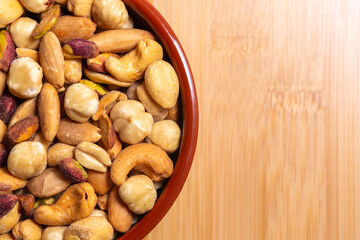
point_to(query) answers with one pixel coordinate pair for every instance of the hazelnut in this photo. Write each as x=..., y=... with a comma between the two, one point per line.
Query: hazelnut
x=165, y=134
x=27, y=159
x=139, y=193
x=10, y=10
x=80, y=102
x=109, y=14
x=27, y=230
x=53, y=233
x=21, y=31
x=131, y=121
x=25, y=78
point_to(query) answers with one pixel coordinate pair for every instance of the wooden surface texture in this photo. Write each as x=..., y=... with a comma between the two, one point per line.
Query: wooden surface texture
x=279, y=94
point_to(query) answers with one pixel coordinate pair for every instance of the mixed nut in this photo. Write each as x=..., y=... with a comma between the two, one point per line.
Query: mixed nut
x=89, y=115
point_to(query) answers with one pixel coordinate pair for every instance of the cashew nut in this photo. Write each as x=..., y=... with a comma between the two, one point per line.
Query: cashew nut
x=144, y=157
x=132, y=66
x=77, y=202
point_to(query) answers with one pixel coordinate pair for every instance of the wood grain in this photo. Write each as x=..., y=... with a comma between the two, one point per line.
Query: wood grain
x=278, y=88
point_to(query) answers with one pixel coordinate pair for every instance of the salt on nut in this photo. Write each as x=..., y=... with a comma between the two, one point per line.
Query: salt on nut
x=58, y=152
x=77, y=202
x=27, y=159
x=8, y=221
x=90, y=228
x=27, y=229
x=119, y=214
x=162, y=83
x=21, y=31
x=48, y=184
x=109, y=14
x=132, y=66
x=10, y=10
x=25, y=78
x=80, y=102
x=139, y=193
x=37, y=6
x=165, y=134
x=53, y=233
x=144, y=157
x=131, y=121
x=92, y=156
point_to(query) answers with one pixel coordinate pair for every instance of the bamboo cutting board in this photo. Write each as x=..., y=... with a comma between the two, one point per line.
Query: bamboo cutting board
x=279, y=94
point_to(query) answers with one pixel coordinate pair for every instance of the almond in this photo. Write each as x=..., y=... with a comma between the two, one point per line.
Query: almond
x=120, y=40
x=68, y=28
x=73, y=133
x=49, y=111
x=52, y=59
x=26, y=109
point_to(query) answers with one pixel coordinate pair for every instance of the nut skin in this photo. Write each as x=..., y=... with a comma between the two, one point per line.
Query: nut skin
x=165, y=134
x=22, y=130
x=80, y=102
x=21, y=31
x=27, y=202
x=139, y=194
x=27, y=159
x=7, y=202
x=7, y=50
x=48, y=20
x=91, y=156
x=26, y=109
x=132, y=66
x=28, y=230
x=73, y=70
x=8, y=221
x=73, y=133
x=52, y=59
x=80, y=48
x=3, y=155
x=53, y=233
x=107, y=131
x=119, y=214
x=10, y=10
x=77, y=202
x=162, y=83
x=144, y=157
x=47, y=184
x=131, y=121
x=97, y=64
x=58, y=152
x=72, y=170
x=100, y=181
x=7, y=179
x=8, y=106
x=49, y=111
x=120, y=40
x=25, y=78
x=109, y=14
x=69, y=27
x=91, y=228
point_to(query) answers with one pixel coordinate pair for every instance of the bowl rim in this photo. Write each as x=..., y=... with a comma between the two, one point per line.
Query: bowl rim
x=181, y=65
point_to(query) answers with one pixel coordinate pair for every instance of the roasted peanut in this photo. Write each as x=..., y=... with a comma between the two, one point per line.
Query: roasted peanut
x=58, y=152
x=77, y=202
x=159, y=113
x=100, y=181
x=144, y=157
x=119, y=214
x=132, y=66
x=92, y=156
x=73, y=70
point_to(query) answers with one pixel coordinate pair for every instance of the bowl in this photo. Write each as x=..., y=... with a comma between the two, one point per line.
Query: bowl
x=149, y=17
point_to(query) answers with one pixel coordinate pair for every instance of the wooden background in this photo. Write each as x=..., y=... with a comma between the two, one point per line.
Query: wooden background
x=279, y=93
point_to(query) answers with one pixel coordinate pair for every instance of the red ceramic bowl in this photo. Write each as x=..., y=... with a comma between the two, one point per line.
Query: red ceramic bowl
x=147, y=14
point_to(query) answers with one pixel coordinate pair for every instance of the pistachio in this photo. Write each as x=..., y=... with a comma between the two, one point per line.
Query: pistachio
x=7, y=51
x=97, y=64
x=100, y=90
x=8, y=106
x=7, y=202
x=22, y=130
x=48, y=20
x=80, y=48
x=72, y=170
